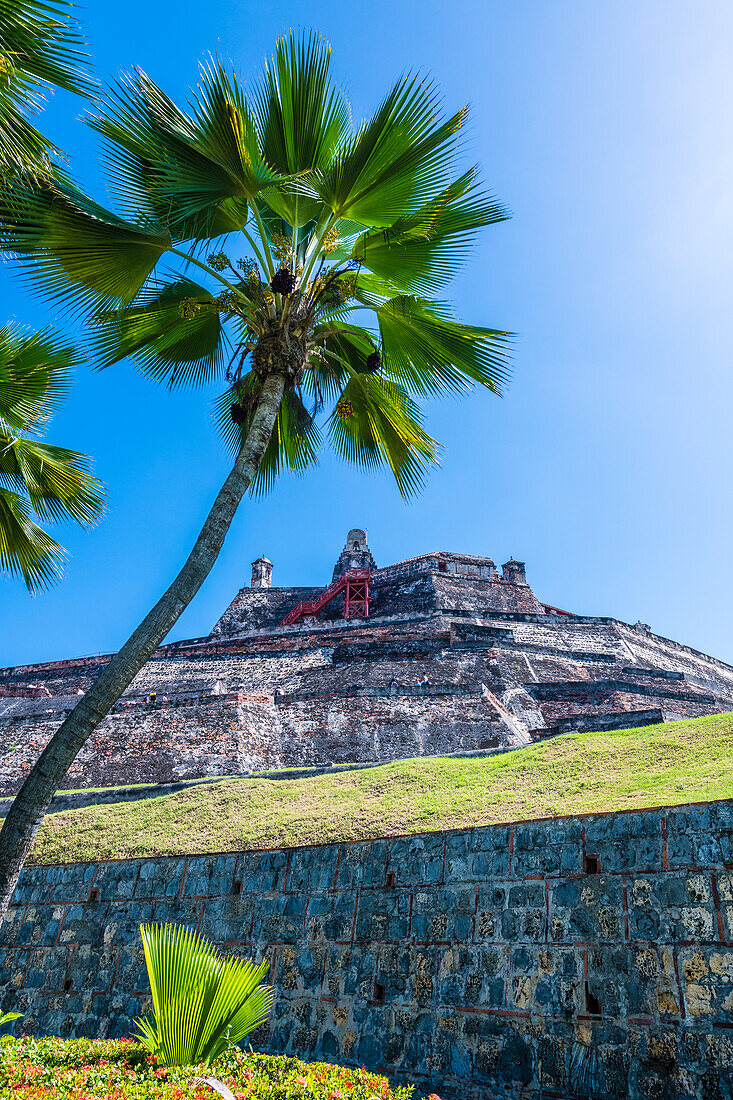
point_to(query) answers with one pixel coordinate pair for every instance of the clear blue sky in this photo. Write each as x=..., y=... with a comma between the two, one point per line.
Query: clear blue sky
x=607, y=129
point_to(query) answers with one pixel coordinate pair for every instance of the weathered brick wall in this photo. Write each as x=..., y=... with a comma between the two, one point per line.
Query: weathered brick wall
x=232, y=734
x=139, y=744
x=339, y=692
x=253, y=608
x=387, y=727
x=587, y=956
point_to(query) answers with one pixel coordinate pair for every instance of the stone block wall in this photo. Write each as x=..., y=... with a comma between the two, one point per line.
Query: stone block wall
x=588, y=956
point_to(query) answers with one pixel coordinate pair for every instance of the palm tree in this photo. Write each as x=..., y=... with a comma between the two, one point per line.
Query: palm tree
x=41, y=46
x=255, y=231
x=37, y=478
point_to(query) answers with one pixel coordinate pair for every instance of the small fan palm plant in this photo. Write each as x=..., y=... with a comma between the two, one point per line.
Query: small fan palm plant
x=203, y=1003
x=37, y=479
x=262, y=239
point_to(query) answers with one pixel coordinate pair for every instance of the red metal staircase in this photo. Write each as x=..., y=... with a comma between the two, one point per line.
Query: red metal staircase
x=356, y=602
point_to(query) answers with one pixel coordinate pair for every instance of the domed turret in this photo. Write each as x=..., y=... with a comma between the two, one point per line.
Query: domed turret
x=262, y=573
x=514, y=572
x=355, y=554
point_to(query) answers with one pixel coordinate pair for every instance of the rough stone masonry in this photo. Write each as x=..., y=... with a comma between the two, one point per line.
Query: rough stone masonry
x=586, y=957
x=454, y=656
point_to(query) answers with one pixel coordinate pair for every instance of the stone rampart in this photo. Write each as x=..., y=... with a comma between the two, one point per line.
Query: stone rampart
x=588, y=956
x=452, y=658
x=346, y=693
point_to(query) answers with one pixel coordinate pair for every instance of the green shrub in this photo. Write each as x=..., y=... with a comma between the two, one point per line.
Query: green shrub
x=89, y=1069
x=203, y=1003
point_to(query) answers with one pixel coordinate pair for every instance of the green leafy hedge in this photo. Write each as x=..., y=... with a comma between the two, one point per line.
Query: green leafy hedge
x=119, y=1069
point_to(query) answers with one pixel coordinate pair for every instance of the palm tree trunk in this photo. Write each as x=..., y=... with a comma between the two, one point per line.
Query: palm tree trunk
x=31, y=803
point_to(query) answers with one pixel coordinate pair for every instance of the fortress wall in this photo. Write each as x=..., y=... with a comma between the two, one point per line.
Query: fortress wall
x=559, y=711
x=414, y=587
x=588, y=956
x=320, y=722
x=262, y=673
x=216, y=713
x=347, y=692
x=560, y=633
x=482, y=596
x=51, y=677
x=388, y=727
x=706, y=671
x=137, y=744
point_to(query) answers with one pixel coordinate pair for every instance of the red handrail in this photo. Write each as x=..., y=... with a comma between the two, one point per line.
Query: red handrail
x=311, y=607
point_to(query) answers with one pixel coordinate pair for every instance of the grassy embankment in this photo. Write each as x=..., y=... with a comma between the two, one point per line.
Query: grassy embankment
x=686, y=761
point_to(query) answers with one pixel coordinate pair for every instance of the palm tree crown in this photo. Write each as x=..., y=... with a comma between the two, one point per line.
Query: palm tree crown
x=263, y=233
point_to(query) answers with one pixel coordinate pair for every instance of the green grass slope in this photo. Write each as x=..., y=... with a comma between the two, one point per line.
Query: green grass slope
x=685, y=761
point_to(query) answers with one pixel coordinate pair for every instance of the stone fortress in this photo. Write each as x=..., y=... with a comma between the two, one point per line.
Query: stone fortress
x=438, y=654
x=586, y=957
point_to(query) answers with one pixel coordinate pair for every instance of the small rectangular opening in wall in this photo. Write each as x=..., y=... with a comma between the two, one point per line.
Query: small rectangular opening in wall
x=442, y=567
x=592, y=1003
x=591, y=865
x=390, y=878
x=379, y=992
x=68, y=985
x=237, y=886
x=94, y=894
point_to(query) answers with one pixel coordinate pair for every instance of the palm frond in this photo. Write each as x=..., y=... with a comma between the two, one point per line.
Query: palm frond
x=42, y=40
x=26, y=550
x=423, y=251
x=23, y=148
x=375, y=423
x=398, y=161
x=161, y=332
x=57, y=481
x=35, y=376
x=36, y=477
x=196, y=171
x=302, y=119
x=429, y=353
x=74, y=251
x=41, y=46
